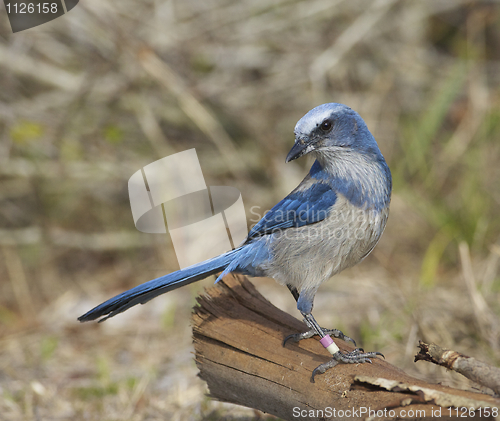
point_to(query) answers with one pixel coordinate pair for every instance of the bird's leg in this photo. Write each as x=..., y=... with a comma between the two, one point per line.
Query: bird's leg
x=314, y=326
x=294, y=292
x=354, y=357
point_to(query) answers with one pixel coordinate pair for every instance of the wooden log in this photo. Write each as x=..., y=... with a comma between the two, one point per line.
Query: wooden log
x=238, y=337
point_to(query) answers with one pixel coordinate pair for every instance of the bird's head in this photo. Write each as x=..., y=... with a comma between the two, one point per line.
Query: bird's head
x=332, y=129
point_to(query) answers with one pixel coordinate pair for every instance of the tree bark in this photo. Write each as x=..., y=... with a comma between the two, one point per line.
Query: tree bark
x=238, y=337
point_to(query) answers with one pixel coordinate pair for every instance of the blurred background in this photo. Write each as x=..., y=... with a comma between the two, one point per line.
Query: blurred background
x=91, y=97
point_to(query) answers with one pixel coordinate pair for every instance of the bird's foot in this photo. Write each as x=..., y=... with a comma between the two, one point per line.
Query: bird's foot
x=296, y=337
x=358, y=356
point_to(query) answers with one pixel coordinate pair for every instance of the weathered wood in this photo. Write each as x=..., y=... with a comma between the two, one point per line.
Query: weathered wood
x=238, y=337
x=477, y=371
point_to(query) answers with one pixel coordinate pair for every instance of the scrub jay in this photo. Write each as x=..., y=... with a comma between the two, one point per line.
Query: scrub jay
x=331, y=221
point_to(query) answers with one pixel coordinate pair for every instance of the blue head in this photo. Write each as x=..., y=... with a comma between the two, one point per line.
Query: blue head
x=347, y=155
x=332, y=129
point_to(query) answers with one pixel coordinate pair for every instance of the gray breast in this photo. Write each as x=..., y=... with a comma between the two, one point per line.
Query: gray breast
x=307, y=256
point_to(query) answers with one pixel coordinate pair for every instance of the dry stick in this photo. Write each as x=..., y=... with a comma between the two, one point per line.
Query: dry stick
x=477, y=371
x=238, y=337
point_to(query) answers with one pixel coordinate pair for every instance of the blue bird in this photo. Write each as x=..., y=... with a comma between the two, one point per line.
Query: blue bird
x=330, y=222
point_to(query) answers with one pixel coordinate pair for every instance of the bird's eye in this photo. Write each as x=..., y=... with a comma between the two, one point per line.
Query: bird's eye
x=326, y=126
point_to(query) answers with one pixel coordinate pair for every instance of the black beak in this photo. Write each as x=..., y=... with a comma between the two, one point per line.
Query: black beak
x=299, y=149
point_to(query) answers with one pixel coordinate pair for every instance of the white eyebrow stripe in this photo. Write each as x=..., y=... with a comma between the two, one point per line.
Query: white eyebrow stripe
x=309, y=122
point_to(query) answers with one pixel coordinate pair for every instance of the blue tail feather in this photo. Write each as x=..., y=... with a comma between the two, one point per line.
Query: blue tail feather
x=149, y=290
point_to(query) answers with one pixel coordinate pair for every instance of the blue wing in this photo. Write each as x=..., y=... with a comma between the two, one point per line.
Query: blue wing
x=309, y=203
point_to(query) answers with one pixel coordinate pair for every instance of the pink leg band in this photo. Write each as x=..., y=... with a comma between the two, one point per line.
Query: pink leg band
x=326, y=341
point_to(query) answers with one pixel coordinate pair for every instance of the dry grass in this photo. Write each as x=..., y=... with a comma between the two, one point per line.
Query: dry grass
x=91, y=97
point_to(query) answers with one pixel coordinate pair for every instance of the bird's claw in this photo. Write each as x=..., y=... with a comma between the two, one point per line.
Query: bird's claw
x=358, y=356
x=296, y=337
x=310, y=333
